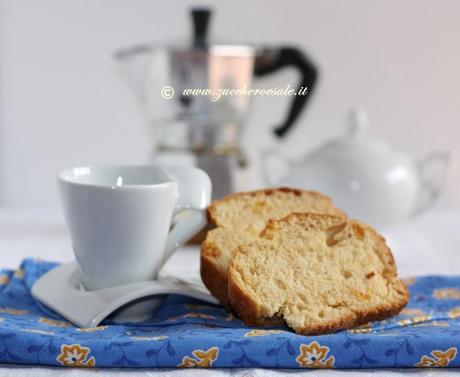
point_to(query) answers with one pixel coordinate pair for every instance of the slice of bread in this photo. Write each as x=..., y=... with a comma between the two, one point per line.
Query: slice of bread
x=318, y=273
x=241, y=217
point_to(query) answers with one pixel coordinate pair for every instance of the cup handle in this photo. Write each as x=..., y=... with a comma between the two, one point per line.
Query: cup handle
x=193, y=198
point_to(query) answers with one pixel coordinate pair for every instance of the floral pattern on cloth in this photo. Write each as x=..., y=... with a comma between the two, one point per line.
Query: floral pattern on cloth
x=75, y=355
x=258, y=332
x=202, y=359
x=439, y=359
x=185, y=332
x=315, y=356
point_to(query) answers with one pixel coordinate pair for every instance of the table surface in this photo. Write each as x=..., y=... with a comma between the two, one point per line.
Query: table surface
x=426, y=245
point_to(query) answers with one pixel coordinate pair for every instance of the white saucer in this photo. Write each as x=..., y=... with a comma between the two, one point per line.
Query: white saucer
x=60, y=289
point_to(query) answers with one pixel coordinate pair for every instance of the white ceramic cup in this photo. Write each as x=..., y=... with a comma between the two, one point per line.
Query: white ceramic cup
x=122, y=219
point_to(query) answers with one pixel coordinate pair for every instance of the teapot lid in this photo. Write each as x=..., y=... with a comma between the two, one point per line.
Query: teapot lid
x=358, y=147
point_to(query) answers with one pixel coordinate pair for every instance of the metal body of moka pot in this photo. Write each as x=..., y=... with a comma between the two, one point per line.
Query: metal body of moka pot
x=179, y=86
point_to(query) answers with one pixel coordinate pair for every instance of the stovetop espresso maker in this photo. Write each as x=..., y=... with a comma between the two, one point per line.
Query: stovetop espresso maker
x=179, y=85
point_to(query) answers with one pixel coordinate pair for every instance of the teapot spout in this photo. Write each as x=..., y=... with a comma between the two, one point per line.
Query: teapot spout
x=433, y=171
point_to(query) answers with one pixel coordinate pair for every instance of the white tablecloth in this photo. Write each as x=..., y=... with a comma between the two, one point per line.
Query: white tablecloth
x=425, y=245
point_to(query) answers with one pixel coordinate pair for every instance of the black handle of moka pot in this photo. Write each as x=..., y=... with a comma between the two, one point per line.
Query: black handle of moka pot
x=200, y=22
x=273, y=59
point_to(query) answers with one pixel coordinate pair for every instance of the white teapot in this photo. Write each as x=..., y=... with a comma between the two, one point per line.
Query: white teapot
x=364, y=176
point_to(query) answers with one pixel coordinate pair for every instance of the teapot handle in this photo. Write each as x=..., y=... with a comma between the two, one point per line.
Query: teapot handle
x=431, y=185
x=274, y=166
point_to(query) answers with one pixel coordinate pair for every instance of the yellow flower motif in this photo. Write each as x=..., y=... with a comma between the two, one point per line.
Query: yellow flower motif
x=14, y=311
x=198, y=315
x=314, y=355
x=447, y=294
x=413, y=320
x=4, y=279
x=455, y=312
x=413, y=312
x=439, y=359
x=262, y=332
x=19, y=273
x=53, y=322
x=202, y=359
x=75, y=355
x=92, y=329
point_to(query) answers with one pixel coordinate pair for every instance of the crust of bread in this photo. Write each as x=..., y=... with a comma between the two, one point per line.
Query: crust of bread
x=212, y=217
x=248, y=309
x=213, y=275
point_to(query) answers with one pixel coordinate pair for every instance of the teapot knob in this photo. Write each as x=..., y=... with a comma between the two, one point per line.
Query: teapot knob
x=357, y=122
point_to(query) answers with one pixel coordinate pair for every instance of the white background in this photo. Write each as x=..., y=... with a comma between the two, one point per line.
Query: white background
x=63, y=102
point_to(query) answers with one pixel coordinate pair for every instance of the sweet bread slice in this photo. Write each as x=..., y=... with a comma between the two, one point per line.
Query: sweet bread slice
x=318, y=273
x=241, y=217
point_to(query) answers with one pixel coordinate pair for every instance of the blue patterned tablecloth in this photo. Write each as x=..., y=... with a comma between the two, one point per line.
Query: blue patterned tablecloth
x=187, y=333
